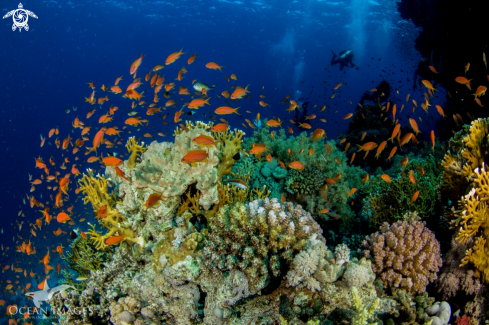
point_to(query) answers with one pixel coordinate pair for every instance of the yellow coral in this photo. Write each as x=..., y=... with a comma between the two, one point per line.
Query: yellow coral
x=475, y=145
x=134, y=149
x=363, y=314
x=475, y=221
x=95, y=191
x=230, y=146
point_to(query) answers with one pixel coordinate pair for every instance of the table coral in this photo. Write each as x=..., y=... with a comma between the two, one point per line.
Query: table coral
x=405, y=255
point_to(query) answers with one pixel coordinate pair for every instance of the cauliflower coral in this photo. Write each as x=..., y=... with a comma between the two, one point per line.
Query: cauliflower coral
x=404, y=255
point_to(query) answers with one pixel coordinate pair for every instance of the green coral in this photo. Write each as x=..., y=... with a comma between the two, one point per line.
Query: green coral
x=387, y=202
x=302, y=183
x=83, y=258
x=326, y=161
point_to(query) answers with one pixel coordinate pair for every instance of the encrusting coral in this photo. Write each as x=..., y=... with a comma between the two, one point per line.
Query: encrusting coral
x=405, y=255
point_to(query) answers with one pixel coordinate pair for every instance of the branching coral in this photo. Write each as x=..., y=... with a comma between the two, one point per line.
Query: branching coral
x=95, y=191
x=230, y=146
x=405, y=254
x=470, y=150
x=475, y=223
x=135, y=151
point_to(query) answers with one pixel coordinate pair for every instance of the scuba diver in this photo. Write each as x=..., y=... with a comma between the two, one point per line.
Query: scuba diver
x=345, y=59
x=301, y=115
x=382, y=93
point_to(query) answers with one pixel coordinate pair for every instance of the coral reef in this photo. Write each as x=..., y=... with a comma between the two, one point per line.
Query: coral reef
x=162, y=171
x=386, y=201
x=475, y=223
x=405, y=255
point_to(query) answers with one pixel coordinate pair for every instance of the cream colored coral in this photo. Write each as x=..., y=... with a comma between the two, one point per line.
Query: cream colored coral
x=162, y=170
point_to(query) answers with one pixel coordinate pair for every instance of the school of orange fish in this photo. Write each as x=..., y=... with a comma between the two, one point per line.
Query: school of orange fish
x=60, y=183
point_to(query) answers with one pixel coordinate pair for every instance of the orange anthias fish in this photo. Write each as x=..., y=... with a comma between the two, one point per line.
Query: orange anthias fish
x=481, y=91
x=367, y=146
x=121, y=173
x=135, y=65
x=239, y=93
x=405, y=139
x=386, y=178
x=380, y=149
x=414, y=125
x=221, y=127
x=258, y=149
x=114, y=240
x=173, y=57
x=297, y=165
x=440, y=110
x=317, y=134
x=224, y=110
x=198, y=102
x=347, y=116
x=97, y=139
x=392, y=153
x=133, y=121
x=428, y=85
x=194, y=156
x=274, y=123
x=62, y=217
x=205, y=141
x=152, y=200
x=112, y=161
x=192, y=58
x=214, y=66
x=415, y=196
x=433, y=139
x=411, y=177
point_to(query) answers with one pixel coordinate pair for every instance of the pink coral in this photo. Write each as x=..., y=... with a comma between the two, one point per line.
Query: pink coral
x=453, y=276
x=464, y=320
x=405, y=254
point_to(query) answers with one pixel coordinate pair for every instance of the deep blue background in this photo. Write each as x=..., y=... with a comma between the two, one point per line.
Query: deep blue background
x=283, y=46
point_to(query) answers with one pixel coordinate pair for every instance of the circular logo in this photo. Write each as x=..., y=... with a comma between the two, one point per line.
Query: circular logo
x=20, y=18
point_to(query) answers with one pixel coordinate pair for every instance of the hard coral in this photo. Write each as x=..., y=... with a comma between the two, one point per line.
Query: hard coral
x=162, y=170
x=405, y=254
x=257, y=241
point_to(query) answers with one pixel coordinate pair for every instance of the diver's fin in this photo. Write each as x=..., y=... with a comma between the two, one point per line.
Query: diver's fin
x=334, y=55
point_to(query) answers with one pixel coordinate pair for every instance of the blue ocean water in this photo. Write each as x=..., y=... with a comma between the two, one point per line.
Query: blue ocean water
x=277, y=47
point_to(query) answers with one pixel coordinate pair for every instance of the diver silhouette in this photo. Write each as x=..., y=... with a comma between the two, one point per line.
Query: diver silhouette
x=345, y=59
x=382, y=93
x=301, y=115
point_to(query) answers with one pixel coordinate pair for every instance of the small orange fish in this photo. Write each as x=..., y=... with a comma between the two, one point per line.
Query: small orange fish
x=414, y=125
x=224, y=110
x=380, y=149
x=114, y=240
x=135, y=65
x=222, y=127
x=214, y=66
x=194, y=156
x=415, y=196
x=62, y=217
x=152, y=200
x=297, y=165
x=347, y=116
x=205, y=141
x=411, y=177
x=112, y=161
x=352, y=191
x=392, y=153
x=386, y=178
x=433, y=139
x=258, y=149
x=173, y=57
